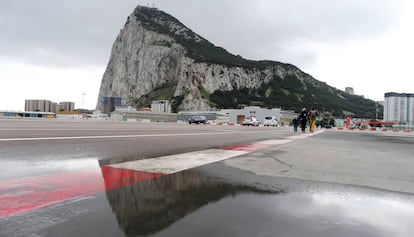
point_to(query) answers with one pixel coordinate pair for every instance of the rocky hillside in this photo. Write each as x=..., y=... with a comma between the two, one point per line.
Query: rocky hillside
x=157, y=57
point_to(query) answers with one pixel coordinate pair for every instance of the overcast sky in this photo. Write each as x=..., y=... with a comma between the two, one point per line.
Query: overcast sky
x=58, y=49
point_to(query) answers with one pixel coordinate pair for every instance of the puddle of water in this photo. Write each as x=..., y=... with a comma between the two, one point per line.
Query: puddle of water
x=297, y=214
x=189, y=204
x=192, y=203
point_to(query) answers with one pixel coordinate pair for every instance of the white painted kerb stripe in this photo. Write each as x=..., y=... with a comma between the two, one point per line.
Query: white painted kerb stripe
x=179, y=162
x=275, y=142
x=114, y=136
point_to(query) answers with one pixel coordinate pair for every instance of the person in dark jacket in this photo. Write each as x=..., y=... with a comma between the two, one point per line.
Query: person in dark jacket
x=303, y=119
x=295, y=122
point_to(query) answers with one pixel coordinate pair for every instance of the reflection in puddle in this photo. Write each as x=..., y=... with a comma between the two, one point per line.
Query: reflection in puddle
x=391, y=215
x=293, y=214
x=153, y=205
x=13, y=169
x=39, y=184
x=190, y=204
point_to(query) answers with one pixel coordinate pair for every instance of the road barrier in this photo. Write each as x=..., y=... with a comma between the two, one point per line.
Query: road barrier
x=373, y=129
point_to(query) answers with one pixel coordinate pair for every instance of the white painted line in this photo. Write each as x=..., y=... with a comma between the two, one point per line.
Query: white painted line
x=184, y=161
x=295, y=137
x=114, y=136
x=83, y=129
x=304, y=135
x=179, y=162
x=275, y=141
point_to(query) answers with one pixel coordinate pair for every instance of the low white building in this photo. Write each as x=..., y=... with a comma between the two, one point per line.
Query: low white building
x=237, y=116
x=160, y=106
x=128, y=113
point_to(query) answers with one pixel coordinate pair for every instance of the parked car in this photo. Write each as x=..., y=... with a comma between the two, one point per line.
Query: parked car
x=270, y=121
x=198, y=119
x=250, y=121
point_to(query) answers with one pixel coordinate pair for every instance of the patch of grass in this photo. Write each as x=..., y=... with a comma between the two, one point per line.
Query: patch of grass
x=300, y=96
x=204, y=93
x=163, y=43
x=268, y=92
x=285, y=91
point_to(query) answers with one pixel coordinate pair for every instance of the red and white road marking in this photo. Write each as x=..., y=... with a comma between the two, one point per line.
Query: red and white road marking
x=184, y=161
x=28, y=194
x=179, y=162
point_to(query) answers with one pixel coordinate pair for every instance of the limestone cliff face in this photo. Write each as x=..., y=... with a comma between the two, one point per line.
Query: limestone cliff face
x=156, y=57
x=143, y=60
x=140, y=61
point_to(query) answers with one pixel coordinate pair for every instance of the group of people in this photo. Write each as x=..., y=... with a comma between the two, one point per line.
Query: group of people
x=305, y=117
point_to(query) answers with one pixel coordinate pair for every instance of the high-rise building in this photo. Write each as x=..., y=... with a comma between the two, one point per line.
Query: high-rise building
x=109, y=103
x=54, y=107
x=67, y=106
x=48, y=106
x=38, y=105
x=399, y=107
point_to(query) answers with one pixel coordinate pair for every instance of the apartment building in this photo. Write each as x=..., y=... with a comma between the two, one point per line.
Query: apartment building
x=48, y=106
x=66, y=106
x=399, y=107
x=38, y=105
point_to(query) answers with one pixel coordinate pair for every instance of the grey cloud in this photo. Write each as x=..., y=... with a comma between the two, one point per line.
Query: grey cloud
x=72, y=33
x=59, y=32
x=268, y=29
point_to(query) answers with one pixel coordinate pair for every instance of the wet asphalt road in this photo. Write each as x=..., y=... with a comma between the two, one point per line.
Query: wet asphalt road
x=330, y=184
x=116, y=141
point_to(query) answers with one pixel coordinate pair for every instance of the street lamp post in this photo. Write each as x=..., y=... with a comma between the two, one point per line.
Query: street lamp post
x=83, y=100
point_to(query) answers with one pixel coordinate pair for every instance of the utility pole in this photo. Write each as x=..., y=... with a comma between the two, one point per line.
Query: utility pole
x=83, y=100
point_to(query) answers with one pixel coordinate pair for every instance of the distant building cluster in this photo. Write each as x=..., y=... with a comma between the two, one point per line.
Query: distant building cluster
x=48, y=106
x=399, y=107
x=111, y=103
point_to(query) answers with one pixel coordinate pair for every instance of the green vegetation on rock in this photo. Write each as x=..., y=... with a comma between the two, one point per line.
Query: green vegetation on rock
x=290, y=92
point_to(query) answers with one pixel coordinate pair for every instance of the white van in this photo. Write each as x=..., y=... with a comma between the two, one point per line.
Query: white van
x=270, y=121
x=250, y=121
